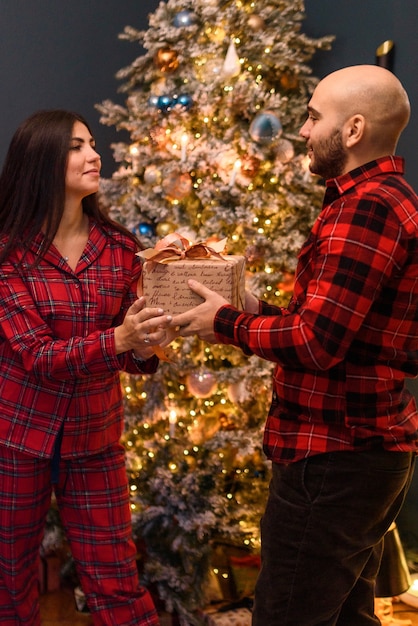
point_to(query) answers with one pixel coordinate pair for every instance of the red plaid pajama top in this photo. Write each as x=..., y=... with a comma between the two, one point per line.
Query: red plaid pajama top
x=349, y=336
x=57, y=351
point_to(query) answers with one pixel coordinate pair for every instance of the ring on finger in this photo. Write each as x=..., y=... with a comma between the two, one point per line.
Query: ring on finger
x=146, y=338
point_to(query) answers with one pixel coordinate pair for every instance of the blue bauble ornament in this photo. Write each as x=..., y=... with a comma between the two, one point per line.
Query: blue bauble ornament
x=165, y=103
x=153, y=101
x=265, y=128
x=145, y=229
x=185, y=101
x=184, y=18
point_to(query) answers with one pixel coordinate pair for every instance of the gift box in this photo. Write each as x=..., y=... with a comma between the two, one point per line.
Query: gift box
x=174, y=260
x=236, y=569
x=245, y=570
x=237, y=617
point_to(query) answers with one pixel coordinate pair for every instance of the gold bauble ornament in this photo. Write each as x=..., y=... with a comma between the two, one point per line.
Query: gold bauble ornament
x=166, y=59
x=289, y=81
x=177, y=185
x=250, y=165
x=215, y=33
x=208, y=68
x=165, y=228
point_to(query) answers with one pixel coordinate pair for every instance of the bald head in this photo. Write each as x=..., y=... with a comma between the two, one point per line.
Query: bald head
x=374, y=93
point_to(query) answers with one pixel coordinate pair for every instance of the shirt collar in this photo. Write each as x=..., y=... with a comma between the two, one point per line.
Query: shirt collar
x=385, y=165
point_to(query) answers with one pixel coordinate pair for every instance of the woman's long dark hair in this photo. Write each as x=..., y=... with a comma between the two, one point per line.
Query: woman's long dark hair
x=32, y=182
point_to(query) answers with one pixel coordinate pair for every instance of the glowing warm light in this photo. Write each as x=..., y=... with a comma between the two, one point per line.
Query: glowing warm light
x=235, y=170
x=134, y=152
x=172, y=420
x=184, y=141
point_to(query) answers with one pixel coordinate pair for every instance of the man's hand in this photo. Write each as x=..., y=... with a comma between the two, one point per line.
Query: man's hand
x=199, y=321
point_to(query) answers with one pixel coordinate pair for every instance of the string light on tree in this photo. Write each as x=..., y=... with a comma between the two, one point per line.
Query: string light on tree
x=214, y=104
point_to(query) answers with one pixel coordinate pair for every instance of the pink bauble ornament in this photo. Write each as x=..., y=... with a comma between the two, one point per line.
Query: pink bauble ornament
x=201, y=383
x=256, y=23
x=238, y=392
x=284, y=151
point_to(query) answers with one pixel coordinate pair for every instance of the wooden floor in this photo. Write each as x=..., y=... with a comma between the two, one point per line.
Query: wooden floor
x=58, y=609
x=404, y=612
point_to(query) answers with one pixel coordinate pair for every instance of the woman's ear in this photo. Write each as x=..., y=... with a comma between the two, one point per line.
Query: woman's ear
x=354, y=129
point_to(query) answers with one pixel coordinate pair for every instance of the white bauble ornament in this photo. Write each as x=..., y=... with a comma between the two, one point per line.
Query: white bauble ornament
x=152, y=175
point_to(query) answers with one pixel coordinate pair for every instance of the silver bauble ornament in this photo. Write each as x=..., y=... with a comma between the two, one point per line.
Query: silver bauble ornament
x=265, y=128
x=184, y=18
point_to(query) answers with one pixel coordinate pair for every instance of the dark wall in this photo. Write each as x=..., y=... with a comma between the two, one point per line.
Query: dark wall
x=360, y=26
x=66, y=54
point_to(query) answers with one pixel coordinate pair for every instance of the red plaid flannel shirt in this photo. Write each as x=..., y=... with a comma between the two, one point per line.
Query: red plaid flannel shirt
x=349, y=336
x=57, y=351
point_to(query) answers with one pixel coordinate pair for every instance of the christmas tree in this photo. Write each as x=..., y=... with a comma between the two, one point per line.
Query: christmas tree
x=213, y=107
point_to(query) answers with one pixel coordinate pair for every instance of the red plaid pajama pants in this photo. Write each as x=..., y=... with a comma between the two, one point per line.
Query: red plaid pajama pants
x=93, y=500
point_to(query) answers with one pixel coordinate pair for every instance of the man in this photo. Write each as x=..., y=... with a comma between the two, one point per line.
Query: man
x=342, y=429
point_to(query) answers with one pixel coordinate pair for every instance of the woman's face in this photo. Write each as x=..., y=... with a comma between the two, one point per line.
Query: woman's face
x=83, y=164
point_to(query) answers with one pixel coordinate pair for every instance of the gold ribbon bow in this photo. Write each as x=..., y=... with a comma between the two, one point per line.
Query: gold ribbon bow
x=174, y=247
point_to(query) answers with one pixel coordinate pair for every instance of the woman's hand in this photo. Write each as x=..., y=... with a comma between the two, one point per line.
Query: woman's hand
x=142, y=329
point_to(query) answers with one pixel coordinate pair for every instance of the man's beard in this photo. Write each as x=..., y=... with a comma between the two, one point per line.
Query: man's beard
x=329, y=158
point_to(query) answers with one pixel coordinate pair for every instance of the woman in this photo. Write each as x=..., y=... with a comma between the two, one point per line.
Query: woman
x=69, y=322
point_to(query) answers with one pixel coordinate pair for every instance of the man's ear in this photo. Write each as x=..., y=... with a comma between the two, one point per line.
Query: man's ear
x=354, y=129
